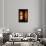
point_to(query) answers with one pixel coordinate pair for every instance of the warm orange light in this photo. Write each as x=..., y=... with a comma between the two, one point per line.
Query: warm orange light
x=26, y=15
x=21, y=15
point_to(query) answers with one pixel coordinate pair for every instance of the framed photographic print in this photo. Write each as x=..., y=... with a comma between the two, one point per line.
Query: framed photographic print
x=23, y=15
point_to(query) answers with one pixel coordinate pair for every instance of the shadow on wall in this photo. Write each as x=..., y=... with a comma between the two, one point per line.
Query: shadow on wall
x=39, y=32
x=1, y=30
x=12, y=29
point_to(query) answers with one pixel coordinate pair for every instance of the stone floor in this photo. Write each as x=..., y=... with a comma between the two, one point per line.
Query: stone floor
x=24, y=44
x=37, y=43
x=18, y=45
